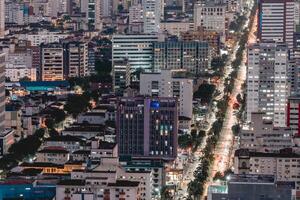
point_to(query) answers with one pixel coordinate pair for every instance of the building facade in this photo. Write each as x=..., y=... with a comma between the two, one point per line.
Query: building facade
x=152, y=10
x=147, y=127
x=194, y=57
x=2, y=18
x=211, y=17
x=276, y=21
x=293, y=114
x=52, y=57
x=267, y=82
x=166, y=84
x=19, y=65
x=262, y=136
x=283, y=165
x=136, y=49
x=2, y=91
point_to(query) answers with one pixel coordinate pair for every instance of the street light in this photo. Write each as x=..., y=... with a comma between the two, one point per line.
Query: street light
x=228, y=178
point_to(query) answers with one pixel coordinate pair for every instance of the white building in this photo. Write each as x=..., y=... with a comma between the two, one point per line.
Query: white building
x=121, y=76
x=92, y=10
x=19, y=65
x=136, y=49
x=14, y=13
x=211, y=17
x=52, y=62
x=106, y=8
x=176, y=27
x=267, y=82
x=284, y=165
x=2, y=18
x=262, y=136
x=152, y=10
x=2, y=90
x=107, y=180
x=136, y=18
x=43, y=37
x=53, y=155
x=166, y=84
x=276, y=21
x=6, y=140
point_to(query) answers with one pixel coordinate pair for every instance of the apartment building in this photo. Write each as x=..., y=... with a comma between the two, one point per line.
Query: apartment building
x=167, y=84
x=267, y=82
x=52, y=57
x=261, y=135
x=76, y=58
x=147, y=127
x=276, y=21
x=136, y=49
x=2, y=18
x=293, y=114
x=211, y=16
x=153, y=10
x=19, y=65
x=284, y=165
x=194, y=57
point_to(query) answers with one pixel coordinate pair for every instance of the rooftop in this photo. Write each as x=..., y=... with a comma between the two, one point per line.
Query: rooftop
x=252, y=178
x=40, y=164
x=106, y=145
x=74, y=182
x=64, y=138
x=52, y=150
x=85, y=152
x=124, y=183
x=285, y=153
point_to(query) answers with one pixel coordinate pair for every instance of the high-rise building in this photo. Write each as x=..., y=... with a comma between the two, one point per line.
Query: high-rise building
x=293, y=114
x=76, y=59
x=52, y=60
x=121, y=76
x=194, y=57
x=276, y=21
x=136, y=15
x=19, y=65
x=152, y=10
x=147, y=127
x=261, y=136
x=211, y=17
x=2, y=91
x=106, y=8
x=294, y=67
x=169, y=84
x=92, y=10
x=63, y=60
x=267, y=82
x=212, y=37
x=2, y=18
x=137, y=49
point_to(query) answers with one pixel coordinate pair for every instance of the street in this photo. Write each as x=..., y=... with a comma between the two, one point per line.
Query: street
x=224, y=150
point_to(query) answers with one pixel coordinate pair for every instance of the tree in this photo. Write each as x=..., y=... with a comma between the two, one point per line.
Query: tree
x=205, y=92
x=165, y=194
x=76, y=104
x=53, y=132
x=236, y=129
x=78, y=81
x=239, y=98
x=103, y=67
x=25, y=79
x=120, y=8
x=27, y=146
x=195, y=189
x=185, y=141
x=218, y=176
x=50, y=123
